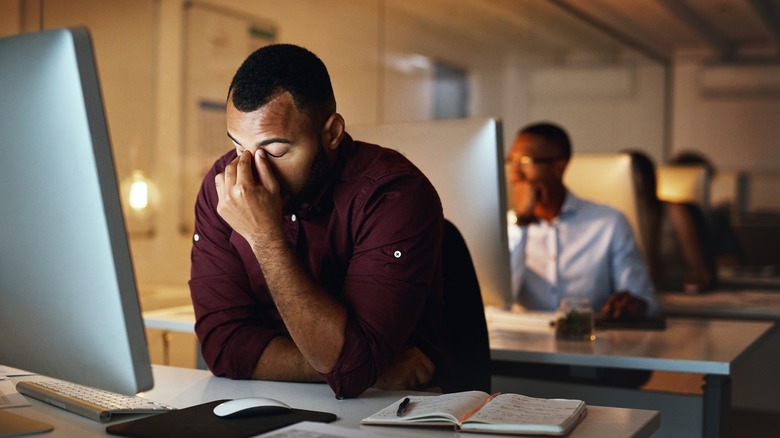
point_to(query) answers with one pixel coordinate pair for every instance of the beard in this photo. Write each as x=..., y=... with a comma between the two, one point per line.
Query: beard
x=316, y=176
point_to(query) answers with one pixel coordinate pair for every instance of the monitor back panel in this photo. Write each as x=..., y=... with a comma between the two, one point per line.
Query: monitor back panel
x=463, y=159
x=68, y=302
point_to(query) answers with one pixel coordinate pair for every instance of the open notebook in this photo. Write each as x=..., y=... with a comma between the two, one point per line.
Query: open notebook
x=477, y=411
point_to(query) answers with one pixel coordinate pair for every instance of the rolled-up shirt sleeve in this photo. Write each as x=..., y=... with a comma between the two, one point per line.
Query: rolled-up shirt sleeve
x=629, y=268
x=229, y=317
x=390, y=279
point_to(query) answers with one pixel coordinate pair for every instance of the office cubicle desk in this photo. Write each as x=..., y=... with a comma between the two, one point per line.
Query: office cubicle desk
x=714, y=348
x=183, y=387
x=756, y=386
x=177, y=319
x=750, y=304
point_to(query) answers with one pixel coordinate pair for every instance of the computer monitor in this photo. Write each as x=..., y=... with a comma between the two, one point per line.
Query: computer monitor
x=68, y=302
x=463, y=158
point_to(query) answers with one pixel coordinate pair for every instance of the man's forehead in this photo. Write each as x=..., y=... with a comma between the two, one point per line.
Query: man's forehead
x=281, y=106
x=528, y=143
x=278, y=114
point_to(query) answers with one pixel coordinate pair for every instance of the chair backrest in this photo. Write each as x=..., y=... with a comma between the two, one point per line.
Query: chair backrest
x=694, y=244
x=464, y=314
x=606, y=179
x=684, y=184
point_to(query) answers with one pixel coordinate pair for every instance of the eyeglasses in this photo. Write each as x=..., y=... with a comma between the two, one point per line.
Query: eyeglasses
x=525, y=160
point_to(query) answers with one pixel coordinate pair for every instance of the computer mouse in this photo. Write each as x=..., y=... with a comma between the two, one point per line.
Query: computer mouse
x=250, y=406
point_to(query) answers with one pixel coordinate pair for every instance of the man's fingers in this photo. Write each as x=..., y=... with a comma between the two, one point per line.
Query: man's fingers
x=424, y=376
x=229, y=175
x=219, y=181
x=424, y=367
x=267, y=178
x=623, y=304
x=620, y=303
x=244, y=169
x=608, y=307
x=524, y=197
x=428, y=364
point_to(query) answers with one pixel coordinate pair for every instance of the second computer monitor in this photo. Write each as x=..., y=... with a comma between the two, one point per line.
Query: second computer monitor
x=463, y=158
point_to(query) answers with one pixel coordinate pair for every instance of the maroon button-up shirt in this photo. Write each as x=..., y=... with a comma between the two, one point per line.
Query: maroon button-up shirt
x=371, y=238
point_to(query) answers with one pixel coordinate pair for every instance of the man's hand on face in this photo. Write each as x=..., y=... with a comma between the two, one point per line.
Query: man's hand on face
x=412, y=369
x=252, y=208
x=623, y=305
x=525, y=196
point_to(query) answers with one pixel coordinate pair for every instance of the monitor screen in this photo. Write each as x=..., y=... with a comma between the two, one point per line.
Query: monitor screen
x=68, y=302
x=463, y=158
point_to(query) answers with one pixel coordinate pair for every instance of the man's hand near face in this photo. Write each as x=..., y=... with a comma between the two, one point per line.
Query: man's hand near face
x=314, y=319
x=252, y=208
x=525, y=196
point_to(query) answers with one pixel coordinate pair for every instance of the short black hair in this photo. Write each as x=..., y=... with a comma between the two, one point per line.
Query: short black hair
x=278, y=68
x=694, y=158
x=553, y=135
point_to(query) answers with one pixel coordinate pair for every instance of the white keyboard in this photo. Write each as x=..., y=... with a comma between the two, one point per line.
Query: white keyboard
x=93, y=403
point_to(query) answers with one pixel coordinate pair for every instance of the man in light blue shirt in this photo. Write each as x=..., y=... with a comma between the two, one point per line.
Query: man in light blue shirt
x=566, y=247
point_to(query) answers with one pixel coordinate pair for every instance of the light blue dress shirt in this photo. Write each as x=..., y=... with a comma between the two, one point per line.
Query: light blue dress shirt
x=588, y=251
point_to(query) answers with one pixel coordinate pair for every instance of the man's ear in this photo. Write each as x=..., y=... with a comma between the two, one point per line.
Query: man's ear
x=333, y=131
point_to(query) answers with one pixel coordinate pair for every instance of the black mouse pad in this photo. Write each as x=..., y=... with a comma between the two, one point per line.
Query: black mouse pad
x=200, y=421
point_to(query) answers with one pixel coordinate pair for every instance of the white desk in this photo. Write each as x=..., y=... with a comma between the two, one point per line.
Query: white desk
x=710, y=347
x=757, y=385
x=173, y=319
x=758, y=304
x=177, y=319
x=742, y=279
x=182, y=387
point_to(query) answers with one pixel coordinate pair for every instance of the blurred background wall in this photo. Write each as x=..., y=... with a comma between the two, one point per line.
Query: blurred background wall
x=165, y=66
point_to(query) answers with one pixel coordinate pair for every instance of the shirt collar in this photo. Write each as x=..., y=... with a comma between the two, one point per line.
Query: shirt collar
x=571, y=204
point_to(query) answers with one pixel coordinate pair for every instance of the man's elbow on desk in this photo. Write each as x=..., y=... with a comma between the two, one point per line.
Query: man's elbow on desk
x=356, y=368
x=281, y=359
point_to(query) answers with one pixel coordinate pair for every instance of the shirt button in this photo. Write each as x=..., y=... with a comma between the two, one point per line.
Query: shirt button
x=293, y=218
x=397, y=254
x=196, y=237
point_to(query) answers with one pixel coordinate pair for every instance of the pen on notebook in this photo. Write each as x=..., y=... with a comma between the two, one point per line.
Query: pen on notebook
x=402, y=407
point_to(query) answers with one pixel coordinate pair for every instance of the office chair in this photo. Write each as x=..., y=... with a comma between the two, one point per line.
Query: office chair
x=685, y=184
x=464, y=315
x=603, y=178
x=694, y=241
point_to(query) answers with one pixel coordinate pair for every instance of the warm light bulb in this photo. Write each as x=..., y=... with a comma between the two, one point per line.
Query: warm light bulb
x=140, y=200
x=139, y=194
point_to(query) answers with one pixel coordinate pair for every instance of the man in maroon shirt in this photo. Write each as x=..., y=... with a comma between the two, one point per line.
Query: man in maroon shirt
x=315, y=257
